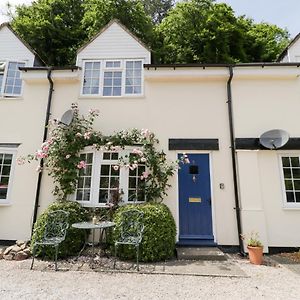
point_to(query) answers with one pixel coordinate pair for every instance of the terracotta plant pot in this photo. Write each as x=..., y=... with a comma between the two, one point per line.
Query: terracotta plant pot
x=255, y=255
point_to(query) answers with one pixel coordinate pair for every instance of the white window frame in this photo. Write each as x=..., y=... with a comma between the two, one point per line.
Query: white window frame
x=2, y=87
x=103, y=69
x=4, y=150
x=112, y=69
x=142, y=78
x=95, y=178
x=287, y=205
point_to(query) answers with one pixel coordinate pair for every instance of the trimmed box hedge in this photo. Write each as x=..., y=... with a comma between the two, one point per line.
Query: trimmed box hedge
x=159, y=235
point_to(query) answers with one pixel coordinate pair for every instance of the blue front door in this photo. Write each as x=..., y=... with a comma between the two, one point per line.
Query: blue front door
x=195, y=215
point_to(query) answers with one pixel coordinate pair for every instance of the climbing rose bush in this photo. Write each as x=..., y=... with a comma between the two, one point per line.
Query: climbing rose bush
x=60, y=154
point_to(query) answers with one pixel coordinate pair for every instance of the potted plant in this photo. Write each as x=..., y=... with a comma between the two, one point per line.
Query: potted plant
x=255, y=248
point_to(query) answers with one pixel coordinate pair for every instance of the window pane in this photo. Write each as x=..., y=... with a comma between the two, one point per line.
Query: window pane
x=114, y=182
x=132, y=182
x=3, y=193
x=131, y=195
x=288, y=185
x=103, y=196
x=297, y=197
x=133, y=80
x=87, y=182
x=80, y=182
x=106, y=155
x=13, y=82
x=104, y=182
x=79, y=194
x=296, y=173
x=86, y=195
x=112, y=84
x=287, y=173
x=105, y=170
x=297, y=185
x=114, y=171
x=7, y=159
x=114, y=156
x=295, y=161
x=91, y=78
x=85, y=178
x=290, y=197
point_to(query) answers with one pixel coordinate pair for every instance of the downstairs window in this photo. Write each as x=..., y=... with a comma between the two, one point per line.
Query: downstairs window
x=102, y=179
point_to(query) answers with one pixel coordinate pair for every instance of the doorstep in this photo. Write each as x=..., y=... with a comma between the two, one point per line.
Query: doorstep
x=200, y=253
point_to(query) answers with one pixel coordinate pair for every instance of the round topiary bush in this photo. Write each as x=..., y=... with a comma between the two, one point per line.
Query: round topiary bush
x=74, y=238
x=158, y=241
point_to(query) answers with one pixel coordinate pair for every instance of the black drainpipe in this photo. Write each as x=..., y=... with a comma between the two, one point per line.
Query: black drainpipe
x=38, y=187
x=233, y=159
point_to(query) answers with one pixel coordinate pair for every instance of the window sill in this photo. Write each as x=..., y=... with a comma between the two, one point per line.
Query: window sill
x=84, y=204
x=5, y=203
x=11, y=98
x=291, y=207
x=98, y=97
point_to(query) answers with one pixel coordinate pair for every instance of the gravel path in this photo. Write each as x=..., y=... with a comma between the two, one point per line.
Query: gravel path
x=264, y=282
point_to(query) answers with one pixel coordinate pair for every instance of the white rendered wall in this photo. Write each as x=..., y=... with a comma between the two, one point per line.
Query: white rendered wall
x=22, y=121
x=260, y=105
x=171, y=109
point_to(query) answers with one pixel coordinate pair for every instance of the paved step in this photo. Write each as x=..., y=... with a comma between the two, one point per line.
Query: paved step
x=200, y=253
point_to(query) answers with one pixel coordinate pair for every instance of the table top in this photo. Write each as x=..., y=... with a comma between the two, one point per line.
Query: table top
x=90, y=225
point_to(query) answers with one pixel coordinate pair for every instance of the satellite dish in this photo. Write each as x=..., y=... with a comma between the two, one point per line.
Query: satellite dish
x=274, y=139
x=67, y=117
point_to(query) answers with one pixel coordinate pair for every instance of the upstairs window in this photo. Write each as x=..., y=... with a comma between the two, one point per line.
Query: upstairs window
x=112, y=78
x=10, y=78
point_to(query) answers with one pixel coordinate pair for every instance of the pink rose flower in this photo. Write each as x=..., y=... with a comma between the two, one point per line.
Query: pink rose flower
x=138, y=152
x=81, y=165
x=145, y=175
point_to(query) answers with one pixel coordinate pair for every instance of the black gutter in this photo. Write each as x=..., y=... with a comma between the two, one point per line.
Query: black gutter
x=72, y=68
x=197, y=65
x=38, y=188
x=234, y=165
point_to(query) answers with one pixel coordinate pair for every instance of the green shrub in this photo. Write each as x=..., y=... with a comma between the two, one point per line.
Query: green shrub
x=159, y=234
x=74, y=238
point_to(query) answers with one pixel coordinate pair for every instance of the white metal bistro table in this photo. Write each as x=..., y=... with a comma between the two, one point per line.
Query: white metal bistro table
x=102, y=226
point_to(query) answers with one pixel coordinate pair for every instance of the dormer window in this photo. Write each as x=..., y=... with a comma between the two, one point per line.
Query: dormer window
x=10, y=78
x=112, y=78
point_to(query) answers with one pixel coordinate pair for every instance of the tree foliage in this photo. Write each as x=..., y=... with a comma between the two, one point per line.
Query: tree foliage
x=201, y=31
x=52, y=28
x=208, y=32
x=157, y=9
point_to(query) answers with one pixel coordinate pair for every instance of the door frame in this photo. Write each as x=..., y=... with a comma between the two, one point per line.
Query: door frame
x=213, y=214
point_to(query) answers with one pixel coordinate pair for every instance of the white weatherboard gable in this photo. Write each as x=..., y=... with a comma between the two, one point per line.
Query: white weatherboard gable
x=292, y=52
x=11, y=48
x=113, y=43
